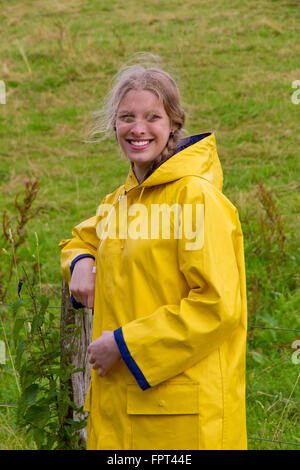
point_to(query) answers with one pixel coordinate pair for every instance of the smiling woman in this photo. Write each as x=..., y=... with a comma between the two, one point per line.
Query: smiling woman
x=169, y=330
x=143, y=100
x=143, y=129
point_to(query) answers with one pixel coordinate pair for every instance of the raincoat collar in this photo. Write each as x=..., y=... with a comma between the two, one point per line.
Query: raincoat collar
x=195, y=156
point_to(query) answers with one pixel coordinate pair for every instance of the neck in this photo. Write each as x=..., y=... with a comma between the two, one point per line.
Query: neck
x=139, y=172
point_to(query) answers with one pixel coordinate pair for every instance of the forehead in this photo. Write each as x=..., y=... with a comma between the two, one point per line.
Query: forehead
x=141, y=100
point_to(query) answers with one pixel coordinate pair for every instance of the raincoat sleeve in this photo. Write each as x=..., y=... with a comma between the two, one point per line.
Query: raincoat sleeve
x=175, y=337
x=84, y=244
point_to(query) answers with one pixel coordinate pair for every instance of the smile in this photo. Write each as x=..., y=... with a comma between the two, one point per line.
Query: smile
x=139, y=144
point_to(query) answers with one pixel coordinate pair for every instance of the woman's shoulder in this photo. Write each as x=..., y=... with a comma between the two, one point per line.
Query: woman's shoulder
x=189, y=189
x=112, y=197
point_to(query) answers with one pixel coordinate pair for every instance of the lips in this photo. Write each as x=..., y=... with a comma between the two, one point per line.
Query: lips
x=139, y=144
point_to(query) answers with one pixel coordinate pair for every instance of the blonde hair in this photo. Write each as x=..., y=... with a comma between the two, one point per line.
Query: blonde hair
x=142, y=73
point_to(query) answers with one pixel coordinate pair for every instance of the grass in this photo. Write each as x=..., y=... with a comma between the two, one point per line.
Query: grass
x=235, y=63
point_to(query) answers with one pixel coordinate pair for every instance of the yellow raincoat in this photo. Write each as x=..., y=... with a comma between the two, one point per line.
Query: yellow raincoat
x=176, y=304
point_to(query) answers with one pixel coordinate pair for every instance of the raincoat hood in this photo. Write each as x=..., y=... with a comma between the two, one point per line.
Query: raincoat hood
x=195, y=156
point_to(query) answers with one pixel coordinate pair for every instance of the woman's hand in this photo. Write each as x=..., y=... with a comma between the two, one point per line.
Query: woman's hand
x=104, y=352
x=82, y=285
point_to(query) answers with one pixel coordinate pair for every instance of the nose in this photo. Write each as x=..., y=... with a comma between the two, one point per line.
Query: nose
x=138, y=128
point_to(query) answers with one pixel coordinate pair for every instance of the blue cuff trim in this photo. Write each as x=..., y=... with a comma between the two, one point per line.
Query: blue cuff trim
x=85, y=255
x=129, y=361
x=75, y=304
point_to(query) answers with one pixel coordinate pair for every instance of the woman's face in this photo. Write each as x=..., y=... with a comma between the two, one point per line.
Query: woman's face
x=143, y=129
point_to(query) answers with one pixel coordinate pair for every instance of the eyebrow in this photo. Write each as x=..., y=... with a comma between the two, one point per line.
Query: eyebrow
x=127, y=111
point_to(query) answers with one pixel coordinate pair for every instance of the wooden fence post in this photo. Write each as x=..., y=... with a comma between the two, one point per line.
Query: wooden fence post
x=76, y=354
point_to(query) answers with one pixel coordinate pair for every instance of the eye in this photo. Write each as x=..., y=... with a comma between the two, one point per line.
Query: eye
x=126, y=117
x=153, y=117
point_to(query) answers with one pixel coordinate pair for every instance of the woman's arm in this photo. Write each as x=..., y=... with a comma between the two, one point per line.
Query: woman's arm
x=176, y=337
x=77, y=261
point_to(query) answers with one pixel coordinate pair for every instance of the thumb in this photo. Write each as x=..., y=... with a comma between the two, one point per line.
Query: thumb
x=102, y=372
x=90, y=301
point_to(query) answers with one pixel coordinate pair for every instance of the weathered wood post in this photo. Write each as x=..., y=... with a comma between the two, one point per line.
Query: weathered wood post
x=74, y=348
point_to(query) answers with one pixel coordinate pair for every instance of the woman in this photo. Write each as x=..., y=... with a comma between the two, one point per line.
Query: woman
x=162, y=265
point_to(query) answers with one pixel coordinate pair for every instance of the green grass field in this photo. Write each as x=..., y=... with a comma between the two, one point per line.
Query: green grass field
x=235, y=63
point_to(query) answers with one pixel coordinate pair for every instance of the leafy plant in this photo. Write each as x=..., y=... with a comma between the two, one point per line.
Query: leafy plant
x=266, y=241
x=14, y=233
x=45, y=407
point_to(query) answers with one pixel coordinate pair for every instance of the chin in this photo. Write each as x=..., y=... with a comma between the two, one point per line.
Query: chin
x=142, y=160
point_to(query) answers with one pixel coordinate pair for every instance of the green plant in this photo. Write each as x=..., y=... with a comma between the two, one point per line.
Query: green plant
x=45, y=406
x=42, y=375
x=272, y=231
x=267, y=253
x=14, y=234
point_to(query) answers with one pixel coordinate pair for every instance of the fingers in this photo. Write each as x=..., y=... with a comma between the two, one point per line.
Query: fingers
x=104, y=352
x=82, y=285
x=93, y=359
x=90, y=300
x=83, y=294
x=96, y=366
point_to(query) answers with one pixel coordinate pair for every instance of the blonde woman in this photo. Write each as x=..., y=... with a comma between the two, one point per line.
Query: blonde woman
x=162, y=265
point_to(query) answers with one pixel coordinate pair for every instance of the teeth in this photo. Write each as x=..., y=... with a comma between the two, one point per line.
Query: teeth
x=140, y=142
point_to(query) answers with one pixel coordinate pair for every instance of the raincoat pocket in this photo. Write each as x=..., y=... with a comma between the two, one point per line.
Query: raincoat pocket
x=164, y=417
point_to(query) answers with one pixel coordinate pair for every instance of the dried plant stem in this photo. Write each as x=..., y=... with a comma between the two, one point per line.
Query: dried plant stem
x=24, y=56
x=15, y=235
x=274, y=217
x=278, y=432
x=11, y=238
x=38, y=260
x=13, y=435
